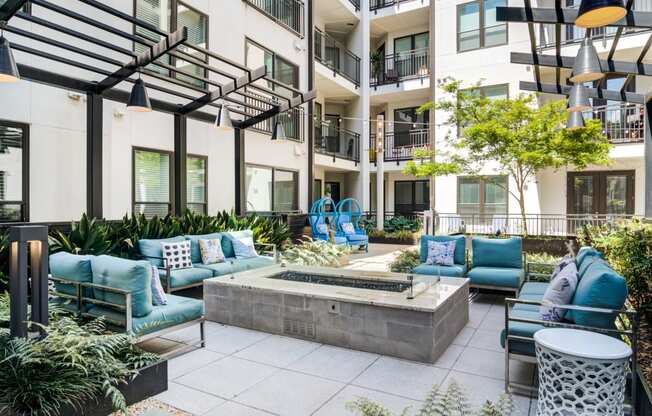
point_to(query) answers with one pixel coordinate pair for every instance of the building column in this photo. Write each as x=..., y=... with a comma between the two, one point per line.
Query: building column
x=239, y=173
x=648, y=159
x=364, y=103
x=94, y=125
x=433, y=97
x=180, y=159
x=311, y=103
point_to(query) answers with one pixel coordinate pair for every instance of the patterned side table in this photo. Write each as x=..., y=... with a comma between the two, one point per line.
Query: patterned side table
x=580, y=373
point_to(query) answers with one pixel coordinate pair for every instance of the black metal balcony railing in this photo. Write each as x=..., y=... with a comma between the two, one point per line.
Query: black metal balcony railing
x=623, y=122
x=337, y=142
x=400, y=66
x=293, y=121
x=287, y=13
x=400, y=146
x=335, y=56
x=381, y=4
x=572, y=34
x=356, y=4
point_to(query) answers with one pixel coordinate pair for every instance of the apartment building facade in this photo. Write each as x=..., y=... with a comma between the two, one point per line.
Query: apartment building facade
x=365, y=58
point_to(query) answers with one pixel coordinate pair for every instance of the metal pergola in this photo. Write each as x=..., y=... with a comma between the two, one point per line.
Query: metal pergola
x=559, y=16
x=111, y=63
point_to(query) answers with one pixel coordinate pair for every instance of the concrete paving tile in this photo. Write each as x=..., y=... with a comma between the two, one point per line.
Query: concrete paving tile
x=486, y=339
x=190, y=361
x=235, y=409
x=448, y=358
x=231, y=339
x=491, y=364
x=337, y=406
x=188, y=399
x=278, y=351
x=339, y=364
x=464, y=336
x=479, y=389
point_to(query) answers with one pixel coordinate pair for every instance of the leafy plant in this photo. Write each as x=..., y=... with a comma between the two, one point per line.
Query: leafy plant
x=73, y=365
x=4, y=262
x=87, y=236
x=440, y=402
x=406, y=261
x=315, y=253
x=394, y=224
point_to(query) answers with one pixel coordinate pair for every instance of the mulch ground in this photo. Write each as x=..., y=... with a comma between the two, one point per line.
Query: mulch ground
x=645, y=350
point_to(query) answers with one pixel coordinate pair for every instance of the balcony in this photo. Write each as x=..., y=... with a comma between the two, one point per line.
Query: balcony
x=287, y=13
x=571, y=34
x=381, y=4
x=337, y=142
x=400, y=66
x=335, y=56
x=623, y=122
x=400, y=146
x=293, y=120
x=356, y=4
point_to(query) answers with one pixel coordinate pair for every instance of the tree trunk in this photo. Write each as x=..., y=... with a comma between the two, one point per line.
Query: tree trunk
x=521, y=203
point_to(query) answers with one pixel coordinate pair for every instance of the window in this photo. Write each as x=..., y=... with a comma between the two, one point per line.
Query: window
x=410, y=126
x=171, y=15
x=152, y=182
x=14, y=169
x=269, y=189
x=278, y=68
x=411, y=55
x=411, y=196
x=477, y=26
x=602, y=193
x=196, y=180
x=486, y=196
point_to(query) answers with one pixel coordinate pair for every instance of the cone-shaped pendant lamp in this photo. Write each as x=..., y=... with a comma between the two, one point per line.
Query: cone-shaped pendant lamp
x=278, y=133
x=587, y=64
x=578, y=99
x=8, y=68
x=575, y=121
x=598, y=13
x=223, y=121
x=138, y=99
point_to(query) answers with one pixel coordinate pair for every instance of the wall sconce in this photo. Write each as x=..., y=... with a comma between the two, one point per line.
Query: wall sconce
x=28, y=246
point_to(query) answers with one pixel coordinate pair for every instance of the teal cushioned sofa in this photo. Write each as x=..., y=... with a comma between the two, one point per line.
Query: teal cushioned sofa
x=120, y=291
x=456, y=270
x=497, y=263
x=599, y=286
x=185, y=278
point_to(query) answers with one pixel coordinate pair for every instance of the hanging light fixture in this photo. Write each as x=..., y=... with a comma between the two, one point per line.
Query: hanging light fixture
x=278, y=132
x=598, y=13
x=578, y=99
x=587, y=64
x=138, y=99
x=223, y=121
x=575, y=121
x=8, y=68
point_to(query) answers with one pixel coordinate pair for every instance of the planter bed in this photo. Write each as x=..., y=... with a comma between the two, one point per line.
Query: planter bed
x=644, y=385
x=395, y=240
x=151, y=381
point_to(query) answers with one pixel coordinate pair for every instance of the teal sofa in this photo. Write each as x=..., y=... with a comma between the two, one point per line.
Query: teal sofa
x=460, y=258
x=180, y=279
x=598, y=301
x=498, y=264
x=119, y=290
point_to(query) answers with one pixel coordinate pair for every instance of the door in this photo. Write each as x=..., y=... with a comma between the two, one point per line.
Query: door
x=332, y=189
x=411, y=197
x=409, y=127
x=333, y=136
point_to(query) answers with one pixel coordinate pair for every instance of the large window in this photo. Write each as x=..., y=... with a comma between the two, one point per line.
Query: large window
x=411, y=196
x=477, y=26
x=484, y=196
x=196, y=181
x=278, y=68
x=270, y=189
x=410, y=126
x=152, y=194
x=601, y=193
x=171, y=15
x=14, y=170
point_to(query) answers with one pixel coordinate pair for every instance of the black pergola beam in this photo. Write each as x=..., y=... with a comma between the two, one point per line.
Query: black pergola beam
x=147, y=57
x=294, y=102
x=224, y=90
x=10, y=8
x=610, y=95
x=621, y=67
x=633, y=19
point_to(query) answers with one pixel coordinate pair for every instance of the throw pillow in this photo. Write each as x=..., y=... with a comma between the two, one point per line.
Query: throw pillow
x=244, y=248
x=177, y=254
x=441, y=252
x=158, y=294
x=565, y=261
x=211, y=251
x=560, y=291
x=322, y=228
x=348, y=228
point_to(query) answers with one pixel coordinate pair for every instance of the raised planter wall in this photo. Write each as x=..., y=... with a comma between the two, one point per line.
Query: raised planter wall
x=643, y=396
x=392, y=240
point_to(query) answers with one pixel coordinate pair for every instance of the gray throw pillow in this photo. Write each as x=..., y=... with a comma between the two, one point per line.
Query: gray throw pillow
x=563, y=263
x=560, y=291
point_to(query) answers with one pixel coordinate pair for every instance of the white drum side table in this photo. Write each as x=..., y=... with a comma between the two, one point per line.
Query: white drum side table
x=580, y=373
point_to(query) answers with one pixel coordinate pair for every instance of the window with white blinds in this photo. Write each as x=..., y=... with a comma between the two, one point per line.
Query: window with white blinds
x=197, y=24
x=156, y=13
x=152, y=184
x=196, y=184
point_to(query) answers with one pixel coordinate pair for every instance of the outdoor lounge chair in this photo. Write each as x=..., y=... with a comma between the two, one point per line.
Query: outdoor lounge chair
x=597, y=304
x=119, y=291
x=460, y=257
x=497, y=264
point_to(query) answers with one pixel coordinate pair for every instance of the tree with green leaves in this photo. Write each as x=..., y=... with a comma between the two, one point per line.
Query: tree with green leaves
x=521, y=136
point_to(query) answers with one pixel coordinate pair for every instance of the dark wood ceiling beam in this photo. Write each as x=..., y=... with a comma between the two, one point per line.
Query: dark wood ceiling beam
x=10, y=8
x=553, y=61
x=634, y=19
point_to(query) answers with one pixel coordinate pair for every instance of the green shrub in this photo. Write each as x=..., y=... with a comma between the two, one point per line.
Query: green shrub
x=394, y=224
x=4, y=262
x=315, y=253
x=87, y=236
x=406, y=261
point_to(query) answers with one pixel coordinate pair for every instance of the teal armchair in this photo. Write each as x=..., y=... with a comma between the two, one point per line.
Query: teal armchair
x=498, y=264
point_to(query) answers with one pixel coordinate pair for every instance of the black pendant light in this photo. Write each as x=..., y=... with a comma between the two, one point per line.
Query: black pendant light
x=223, y=121
x=138, y=99
x=587, y=64
x=578, y=99
x=8, y=68
x=598, y=13
x=575, y=121
x=278, y=132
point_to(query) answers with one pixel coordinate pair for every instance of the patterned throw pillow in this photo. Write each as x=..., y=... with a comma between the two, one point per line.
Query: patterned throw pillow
x=211, y=251
x=322, y=228
x=560, y=291
x=348, y=228
x=567, y=259
x=441, y=252
x=244, y=248
x=177, y=254
x=158, y=294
